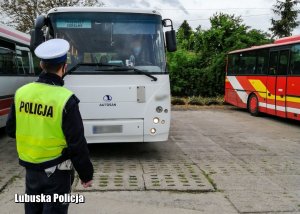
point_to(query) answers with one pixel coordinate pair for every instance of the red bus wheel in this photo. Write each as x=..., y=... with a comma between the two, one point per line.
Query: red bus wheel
x=253, y=105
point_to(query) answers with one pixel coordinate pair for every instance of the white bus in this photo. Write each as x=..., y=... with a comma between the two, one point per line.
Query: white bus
x=117, y=68
x=16, y=66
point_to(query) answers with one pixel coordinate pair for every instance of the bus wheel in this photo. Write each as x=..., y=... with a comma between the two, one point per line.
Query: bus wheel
x=253, y=105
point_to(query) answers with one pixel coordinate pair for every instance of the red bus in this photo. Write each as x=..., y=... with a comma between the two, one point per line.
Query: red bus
x=266, y=78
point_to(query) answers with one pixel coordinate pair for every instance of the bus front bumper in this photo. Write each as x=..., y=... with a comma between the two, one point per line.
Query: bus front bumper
x=119, y=130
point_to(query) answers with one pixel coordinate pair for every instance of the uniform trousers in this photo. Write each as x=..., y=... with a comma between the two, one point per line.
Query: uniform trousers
x=37, y=183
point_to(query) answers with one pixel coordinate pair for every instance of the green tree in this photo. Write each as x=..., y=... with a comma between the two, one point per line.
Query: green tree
x=185, y=36
x=184, y=72
x=288, y=18
x=22, y=13
x=185, y=30
x=227, y=33
x=201, y=70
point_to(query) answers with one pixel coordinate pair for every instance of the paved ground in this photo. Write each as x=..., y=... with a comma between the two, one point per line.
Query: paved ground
x=216, y=161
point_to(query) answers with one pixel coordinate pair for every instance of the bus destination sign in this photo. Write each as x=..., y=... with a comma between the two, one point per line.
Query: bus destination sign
x=73, y=23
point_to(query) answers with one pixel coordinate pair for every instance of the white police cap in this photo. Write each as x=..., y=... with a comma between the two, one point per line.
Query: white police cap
x=53, y=51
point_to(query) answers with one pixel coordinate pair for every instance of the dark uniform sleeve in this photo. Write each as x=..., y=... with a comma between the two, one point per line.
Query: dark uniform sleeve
x=11, y=122
x=77, y=146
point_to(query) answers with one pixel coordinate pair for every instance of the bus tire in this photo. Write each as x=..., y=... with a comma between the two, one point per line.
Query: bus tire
x=253, y=105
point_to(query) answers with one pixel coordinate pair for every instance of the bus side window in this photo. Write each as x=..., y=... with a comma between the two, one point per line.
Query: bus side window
x=262, y=61
x=295, y=60
x=7, y=62
x=233, y=64
x=283, y=62
x=273, y=63
x=23, y=61
x=2, y=61
x=242, y=66
x=36, y=65
x=248, y=63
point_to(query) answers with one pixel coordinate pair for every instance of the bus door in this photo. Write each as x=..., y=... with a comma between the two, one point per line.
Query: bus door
x=276, y=84
x=293, y=84
x=281, y=81
x=271, y=83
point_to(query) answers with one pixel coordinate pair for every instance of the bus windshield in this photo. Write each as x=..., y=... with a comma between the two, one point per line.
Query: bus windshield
x=101, y=42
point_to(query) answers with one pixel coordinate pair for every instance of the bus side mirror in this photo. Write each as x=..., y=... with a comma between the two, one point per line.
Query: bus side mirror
x=37, y=34
x=170, y=35
x=171, y=40
x=37, y=38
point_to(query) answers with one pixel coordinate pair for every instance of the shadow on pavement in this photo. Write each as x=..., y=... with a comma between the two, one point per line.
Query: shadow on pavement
x=131, y=150
x=287, y=121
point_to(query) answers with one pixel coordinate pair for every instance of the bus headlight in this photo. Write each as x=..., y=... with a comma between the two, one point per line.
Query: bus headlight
x=159, y=109
x=156, y=120
x=153, y=131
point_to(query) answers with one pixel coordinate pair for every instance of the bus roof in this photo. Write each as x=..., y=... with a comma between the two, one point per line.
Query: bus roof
x=102, y=9
x=279, y=42
x=14, y=35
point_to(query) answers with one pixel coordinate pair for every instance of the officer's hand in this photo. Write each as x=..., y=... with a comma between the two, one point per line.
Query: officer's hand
x=87, y=184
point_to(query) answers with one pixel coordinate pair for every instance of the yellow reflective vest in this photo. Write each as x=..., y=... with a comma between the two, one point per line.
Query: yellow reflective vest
x=39, y=112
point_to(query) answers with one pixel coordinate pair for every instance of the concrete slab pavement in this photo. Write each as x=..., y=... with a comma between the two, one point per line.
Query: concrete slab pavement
x=248, y=165
x=130, y=202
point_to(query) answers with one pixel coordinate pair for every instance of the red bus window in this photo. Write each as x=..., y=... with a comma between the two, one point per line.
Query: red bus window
x=273, y=63
x=247, y=63
x=233, y=64
x=283, y=62
x=295, y=60
x=262, y=61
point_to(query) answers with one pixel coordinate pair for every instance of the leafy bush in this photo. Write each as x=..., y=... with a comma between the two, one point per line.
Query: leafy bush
x=198, y=101
x=188, y=78
x=198, y=67
x=177, y=101
x=214, y=101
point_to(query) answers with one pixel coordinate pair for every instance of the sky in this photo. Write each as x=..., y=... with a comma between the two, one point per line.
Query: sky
x=255, y=13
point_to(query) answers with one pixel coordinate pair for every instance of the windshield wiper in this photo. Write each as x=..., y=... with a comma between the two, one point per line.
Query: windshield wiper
x=136, y=71
x=114, y=68
x=143, y=72
x=124, y=68
x=91, y=64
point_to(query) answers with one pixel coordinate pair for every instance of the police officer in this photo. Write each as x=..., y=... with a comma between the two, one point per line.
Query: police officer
x=139, y=56
x=47, y=125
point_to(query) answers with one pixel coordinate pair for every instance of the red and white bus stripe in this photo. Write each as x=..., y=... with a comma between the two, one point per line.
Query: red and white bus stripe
x=244, y=97
x=14, y=35
x=238, y=87
x=5, y=104
x=280, y=108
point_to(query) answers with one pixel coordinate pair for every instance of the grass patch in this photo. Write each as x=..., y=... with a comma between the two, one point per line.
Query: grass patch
x=210, y=180
x=178, y=101
x=197, y=101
